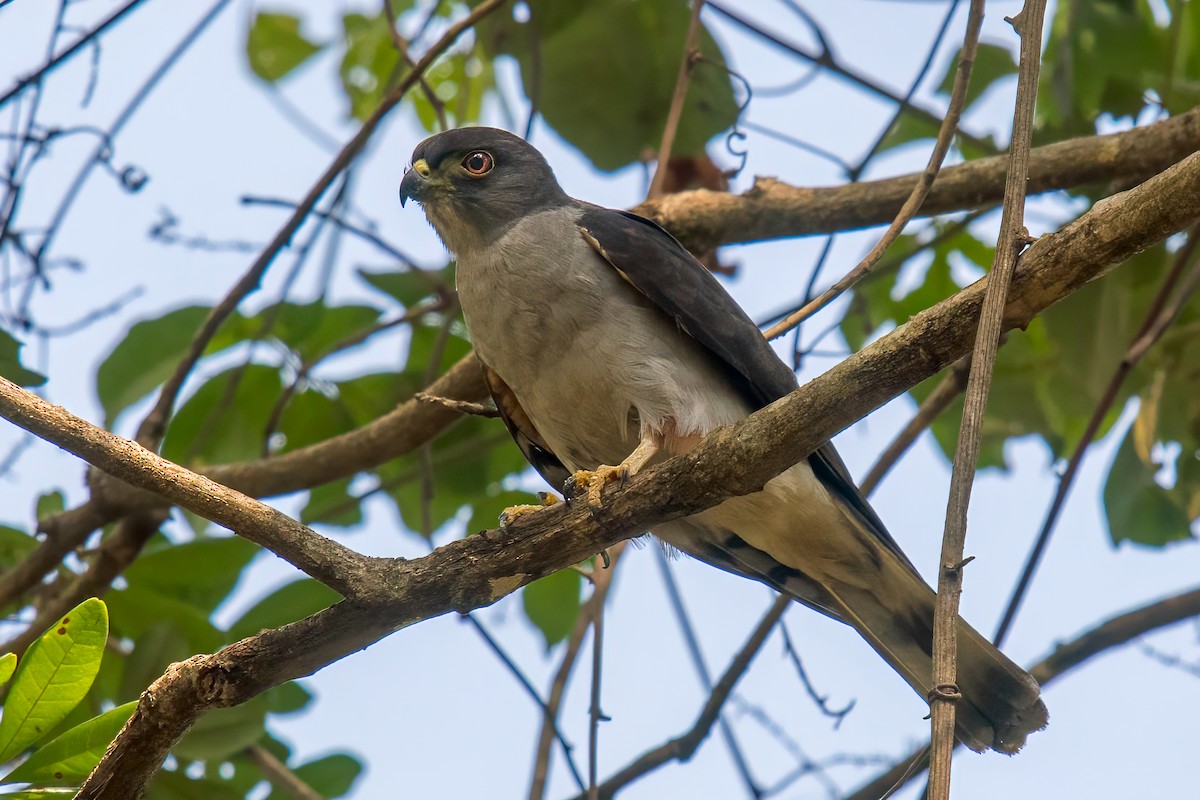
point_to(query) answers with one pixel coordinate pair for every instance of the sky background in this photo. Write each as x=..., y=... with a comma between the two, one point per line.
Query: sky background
x=430, y=710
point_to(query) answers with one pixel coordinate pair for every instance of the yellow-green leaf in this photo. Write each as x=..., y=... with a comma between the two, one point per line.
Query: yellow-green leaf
x=54, y=676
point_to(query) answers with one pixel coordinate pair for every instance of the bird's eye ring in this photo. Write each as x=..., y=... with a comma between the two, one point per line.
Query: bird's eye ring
x=478, y=163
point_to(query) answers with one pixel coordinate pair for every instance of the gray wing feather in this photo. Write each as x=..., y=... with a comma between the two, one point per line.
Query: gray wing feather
x=657, y=265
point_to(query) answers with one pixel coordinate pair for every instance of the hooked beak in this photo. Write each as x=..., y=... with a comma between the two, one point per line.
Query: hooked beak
x=414, y=182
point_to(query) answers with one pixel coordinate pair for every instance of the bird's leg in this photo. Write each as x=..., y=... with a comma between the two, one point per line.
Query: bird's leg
x=510, y=514
x=596, y=479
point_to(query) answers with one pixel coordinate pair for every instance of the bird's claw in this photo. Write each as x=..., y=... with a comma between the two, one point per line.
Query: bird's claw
x=594, y=481
x=511, y=514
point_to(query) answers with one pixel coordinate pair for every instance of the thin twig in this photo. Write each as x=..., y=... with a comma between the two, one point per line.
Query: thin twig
x=912, y=90
x=601, y=583
x=366, y=235
x=821, y=701
x=946, y=133
x=594, y=713
x=279, y=775
x=693, y=647
x=682, y=747
x=401, y=45
x=58, y=60
x=516, y=672
x=950, y=387
x=1158, y=318
x=827, y=60
x=103, y=151
x=677, y=98
x=460, y=406
x=1012, y=238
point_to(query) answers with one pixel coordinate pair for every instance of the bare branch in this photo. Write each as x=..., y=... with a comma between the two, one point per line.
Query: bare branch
x=1013, y=236
x=703, y=219
x=601, y=583
x=675, y=111
x=684, y=746
x=399, y=432
x=279, y=776
x=329, y=562
x=61, y=58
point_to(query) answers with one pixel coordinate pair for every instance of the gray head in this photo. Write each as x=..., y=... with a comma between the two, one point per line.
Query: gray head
x=475, y=183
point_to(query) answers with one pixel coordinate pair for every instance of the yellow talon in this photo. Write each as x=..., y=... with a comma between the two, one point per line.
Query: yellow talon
x=510, y=514
x=596, y=479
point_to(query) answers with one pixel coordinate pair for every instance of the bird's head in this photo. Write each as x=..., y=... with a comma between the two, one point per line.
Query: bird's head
x=475, y=183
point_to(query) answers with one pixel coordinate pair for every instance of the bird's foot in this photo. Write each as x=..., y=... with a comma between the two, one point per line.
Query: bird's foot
x=511, y=514
x=594, y=481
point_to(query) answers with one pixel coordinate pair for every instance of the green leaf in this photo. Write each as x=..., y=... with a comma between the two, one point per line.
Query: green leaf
x=8, y=664
x=149, y=353
x=460, y=81
x=1138, y=509
x=50, y=504
x=221, y=733
x=201, y=572
x=332, y=776
x=15, y=545
x=287, y=698
x=10, y=363
x=908, y=128
x=332, y=504
x=369, y=397
x=552, y=604
x=1104, y=58
x=369, y=62
x=288, y=603
x=157, y=647
x=992, y=62
x=226, y=419
x=467, y=461
x=70, y=758
x=54, y=676
x=275, y=46
x=176, y=785
x=602, y=74
x=311, y=329
x=138, y=609
x=409, y=286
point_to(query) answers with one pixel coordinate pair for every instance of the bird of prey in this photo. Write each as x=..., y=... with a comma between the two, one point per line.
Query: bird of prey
x=607, y=346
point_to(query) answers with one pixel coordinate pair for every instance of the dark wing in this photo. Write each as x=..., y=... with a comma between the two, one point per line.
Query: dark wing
x=536, y=451
x=657, y=265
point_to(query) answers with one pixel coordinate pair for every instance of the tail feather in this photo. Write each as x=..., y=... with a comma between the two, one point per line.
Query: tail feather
x=1001, y=703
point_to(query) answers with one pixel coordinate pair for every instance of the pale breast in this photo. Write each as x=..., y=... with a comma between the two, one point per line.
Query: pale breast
x=591, y=360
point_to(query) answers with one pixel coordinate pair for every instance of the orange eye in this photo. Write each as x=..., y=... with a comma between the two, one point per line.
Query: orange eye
x=478, y=163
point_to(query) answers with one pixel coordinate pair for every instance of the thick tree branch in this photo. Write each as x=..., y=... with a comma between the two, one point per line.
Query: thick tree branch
x=739, y=459
x=703, y=219
x=329, y=562
x=401, y=431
